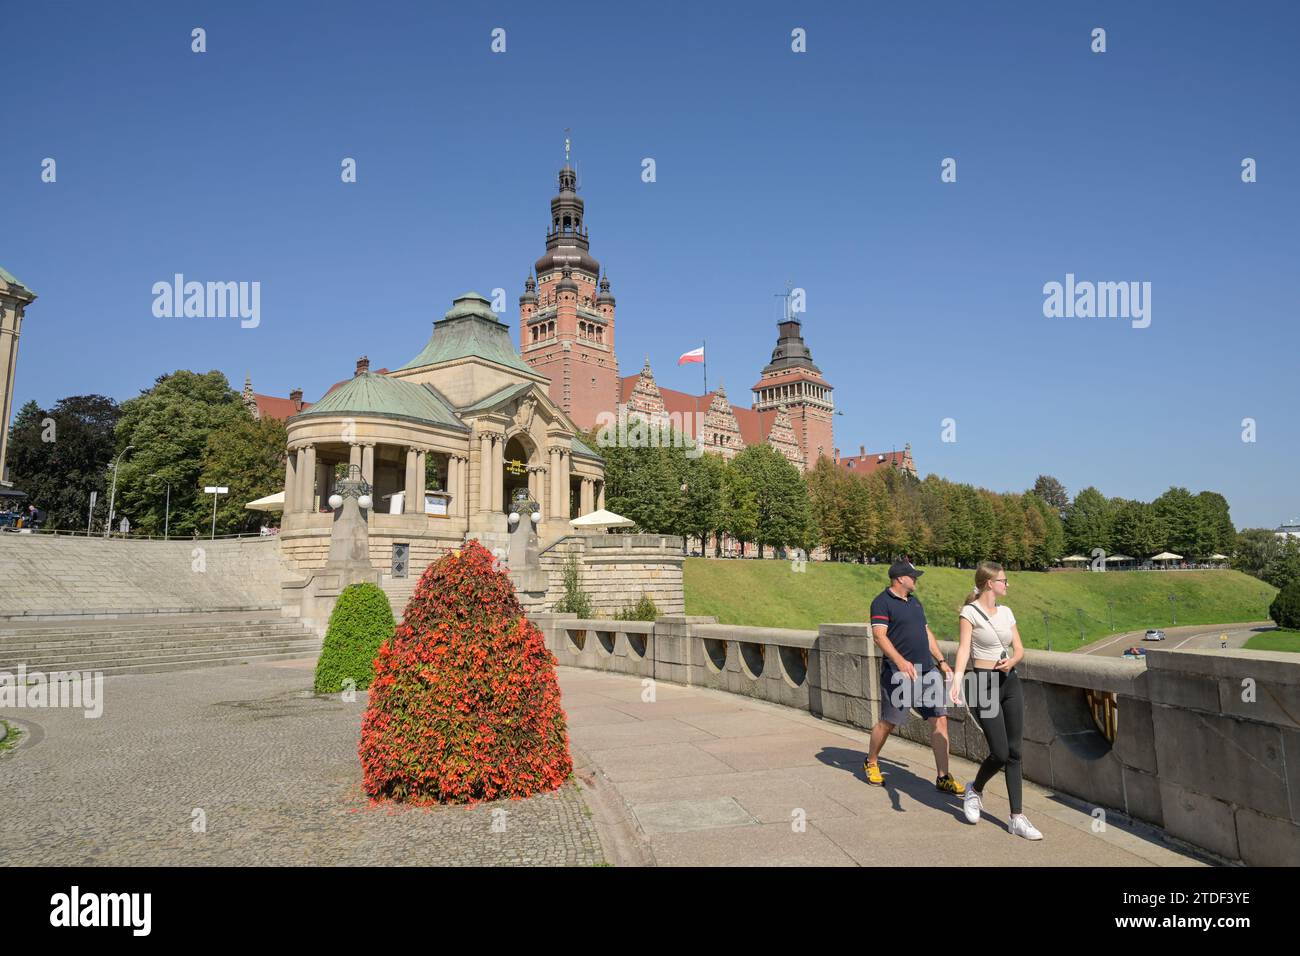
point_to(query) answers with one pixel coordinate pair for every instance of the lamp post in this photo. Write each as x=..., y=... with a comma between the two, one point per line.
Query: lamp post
x=108, y=522
x=167, y=515
x=215, y=491
x=1173, y=609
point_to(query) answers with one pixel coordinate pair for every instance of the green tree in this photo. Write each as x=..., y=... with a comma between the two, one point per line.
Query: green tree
x=59, y=457
x=739, y=516
x=1189, y=525
x=783, y=514
x=169, y=425
x=247, y=456
x=702, y=501
x=1137, y=530
x=1053, y=493
x=1088, y=524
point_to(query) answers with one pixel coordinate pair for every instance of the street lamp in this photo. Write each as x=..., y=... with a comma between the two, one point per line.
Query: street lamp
x=1173, y=609
x=108, y=522
x=215, y=491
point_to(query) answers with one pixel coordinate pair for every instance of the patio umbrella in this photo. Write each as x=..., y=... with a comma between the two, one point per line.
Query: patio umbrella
x=602, y=520
x=273, y=502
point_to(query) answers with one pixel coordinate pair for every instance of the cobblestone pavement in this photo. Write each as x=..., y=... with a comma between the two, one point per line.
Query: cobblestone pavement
x=274, y=770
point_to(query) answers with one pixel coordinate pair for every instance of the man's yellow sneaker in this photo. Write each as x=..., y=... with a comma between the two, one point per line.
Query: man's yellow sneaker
x=949, y=784
x=874, y=776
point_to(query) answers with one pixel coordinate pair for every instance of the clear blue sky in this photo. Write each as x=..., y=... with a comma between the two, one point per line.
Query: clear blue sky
x=924, y=298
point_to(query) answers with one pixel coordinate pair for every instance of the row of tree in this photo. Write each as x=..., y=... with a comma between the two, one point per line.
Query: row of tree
x=759, y=496
x=187, y=431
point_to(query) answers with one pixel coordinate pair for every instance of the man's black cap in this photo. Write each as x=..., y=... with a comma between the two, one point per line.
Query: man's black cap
x=901, y=569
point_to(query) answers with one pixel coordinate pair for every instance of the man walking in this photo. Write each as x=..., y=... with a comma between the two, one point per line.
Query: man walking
x=911, y=659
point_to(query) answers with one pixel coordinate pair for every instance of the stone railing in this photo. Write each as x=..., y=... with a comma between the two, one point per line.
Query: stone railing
x=1205, y=745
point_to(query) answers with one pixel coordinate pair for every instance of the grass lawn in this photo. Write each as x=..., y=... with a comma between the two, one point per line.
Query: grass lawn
x=1282, y=639
x=1080, y=606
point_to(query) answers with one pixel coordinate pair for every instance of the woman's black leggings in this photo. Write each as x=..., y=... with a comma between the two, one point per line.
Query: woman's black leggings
x=1000, y=711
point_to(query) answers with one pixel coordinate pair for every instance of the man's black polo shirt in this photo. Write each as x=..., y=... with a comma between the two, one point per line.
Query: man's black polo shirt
x=905, y=621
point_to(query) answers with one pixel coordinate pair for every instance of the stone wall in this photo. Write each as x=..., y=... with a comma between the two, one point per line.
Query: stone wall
x=46, y=575
x=1207, y=745
x=616, y=569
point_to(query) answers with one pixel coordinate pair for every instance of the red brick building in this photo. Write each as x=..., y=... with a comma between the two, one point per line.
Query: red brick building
x=566, y=332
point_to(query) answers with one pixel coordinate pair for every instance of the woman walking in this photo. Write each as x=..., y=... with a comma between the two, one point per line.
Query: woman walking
x=990, y=642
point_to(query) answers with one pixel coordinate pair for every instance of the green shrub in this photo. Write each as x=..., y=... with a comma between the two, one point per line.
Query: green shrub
x=642, y=610
x=575, y=600
x=362, y=620
x=1285, y=609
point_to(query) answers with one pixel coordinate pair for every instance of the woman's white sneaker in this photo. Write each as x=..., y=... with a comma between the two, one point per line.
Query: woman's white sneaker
x=1021, y=826
x=973, y=805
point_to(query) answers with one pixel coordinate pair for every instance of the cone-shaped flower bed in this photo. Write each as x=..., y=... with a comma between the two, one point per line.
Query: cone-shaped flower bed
x=465, y=705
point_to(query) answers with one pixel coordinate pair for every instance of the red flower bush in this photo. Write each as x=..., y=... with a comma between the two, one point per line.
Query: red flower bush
x=465, y=705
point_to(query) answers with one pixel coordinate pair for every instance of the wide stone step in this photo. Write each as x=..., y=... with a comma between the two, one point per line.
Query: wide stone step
x=47, y=655
x=143, y=623
x=126, y=638
x=197, y=664
x=279, y=650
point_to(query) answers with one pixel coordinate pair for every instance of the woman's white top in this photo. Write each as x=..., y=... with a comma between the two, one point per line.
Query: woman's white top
x=991, y=636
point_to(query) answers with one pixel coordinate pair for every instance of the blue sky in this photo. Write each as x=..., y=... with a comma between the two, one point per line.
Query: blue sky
x=924, y=298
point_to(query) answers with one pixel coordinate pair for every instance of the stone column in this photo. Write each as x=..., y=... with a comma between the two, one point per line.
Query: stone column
x=410, y=489
x=600, y=496
x=498, y=472
x=485, y=472
x=421, y=473
x=324, y=473
x=585, y=497
x=566, y=474
x=463, y=486
x=290, y=481
x=368, y=464
x=453, y=485
x=309, y=479
x=555, y=511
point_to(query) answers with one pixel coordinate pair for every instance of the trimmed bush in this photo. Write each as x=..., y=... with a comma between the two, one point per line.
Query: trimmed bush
x=361, y=621
x=465, y=705
x=642, y=610
x=1285, y=609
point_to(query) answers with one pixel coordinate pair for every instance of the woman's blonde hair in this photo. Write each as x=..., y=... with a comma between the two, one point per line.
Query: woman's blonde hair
x=985, y=572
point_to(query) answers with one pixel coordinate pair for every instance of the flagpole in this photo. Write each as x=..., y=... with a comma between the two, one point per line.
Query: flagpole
x=704, y=356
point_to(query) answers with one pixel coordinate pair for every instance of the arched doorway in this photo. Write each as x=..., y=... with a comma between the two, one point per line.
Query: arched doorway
x=518, y=456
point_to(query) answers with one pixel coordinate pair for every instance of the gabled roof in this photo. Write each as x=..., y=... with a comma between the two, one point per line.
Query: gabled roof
x=373, y=394
x=471, y=329
x=273, y=406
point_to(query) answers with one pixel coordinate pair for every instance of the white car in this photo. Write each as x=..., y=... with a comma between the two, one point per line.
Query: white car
x=1154, y=635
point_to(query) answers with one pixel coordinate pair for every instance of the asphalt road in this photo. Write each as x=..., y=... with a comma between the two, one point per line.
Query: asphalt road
x=1193, y=637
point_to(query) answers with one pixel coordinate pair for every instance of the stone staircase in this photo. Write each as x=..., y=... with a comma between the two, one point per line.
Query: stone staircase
x=144, y=644
x=399, y=591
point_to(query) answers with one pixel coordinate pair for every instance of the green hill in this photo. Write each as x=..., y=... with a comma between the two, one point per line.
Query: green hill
x=770, y=594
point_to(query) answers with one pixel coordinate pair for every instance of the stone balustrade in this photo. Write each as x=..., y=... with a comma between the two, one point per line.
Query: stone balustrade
x=1206, y=745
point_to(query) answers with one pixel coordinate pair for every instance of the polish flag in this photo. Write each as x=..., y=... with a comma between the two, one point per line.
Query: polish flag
x=694, y=355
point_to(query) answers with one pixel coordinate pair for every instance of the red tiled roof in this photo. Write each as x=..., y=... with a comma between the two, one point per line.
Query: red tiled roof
x=272, y=406
x=866, y=464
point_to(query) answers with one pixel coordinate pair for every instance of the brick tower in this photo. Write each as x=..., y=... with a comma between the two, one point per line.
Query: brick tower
x=791, y=381
x=566, y=314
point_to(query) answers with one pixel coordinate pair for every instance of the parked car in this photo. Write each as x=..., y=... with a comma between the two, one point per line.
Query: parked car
x=1154, y=635
x=1136, y=653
